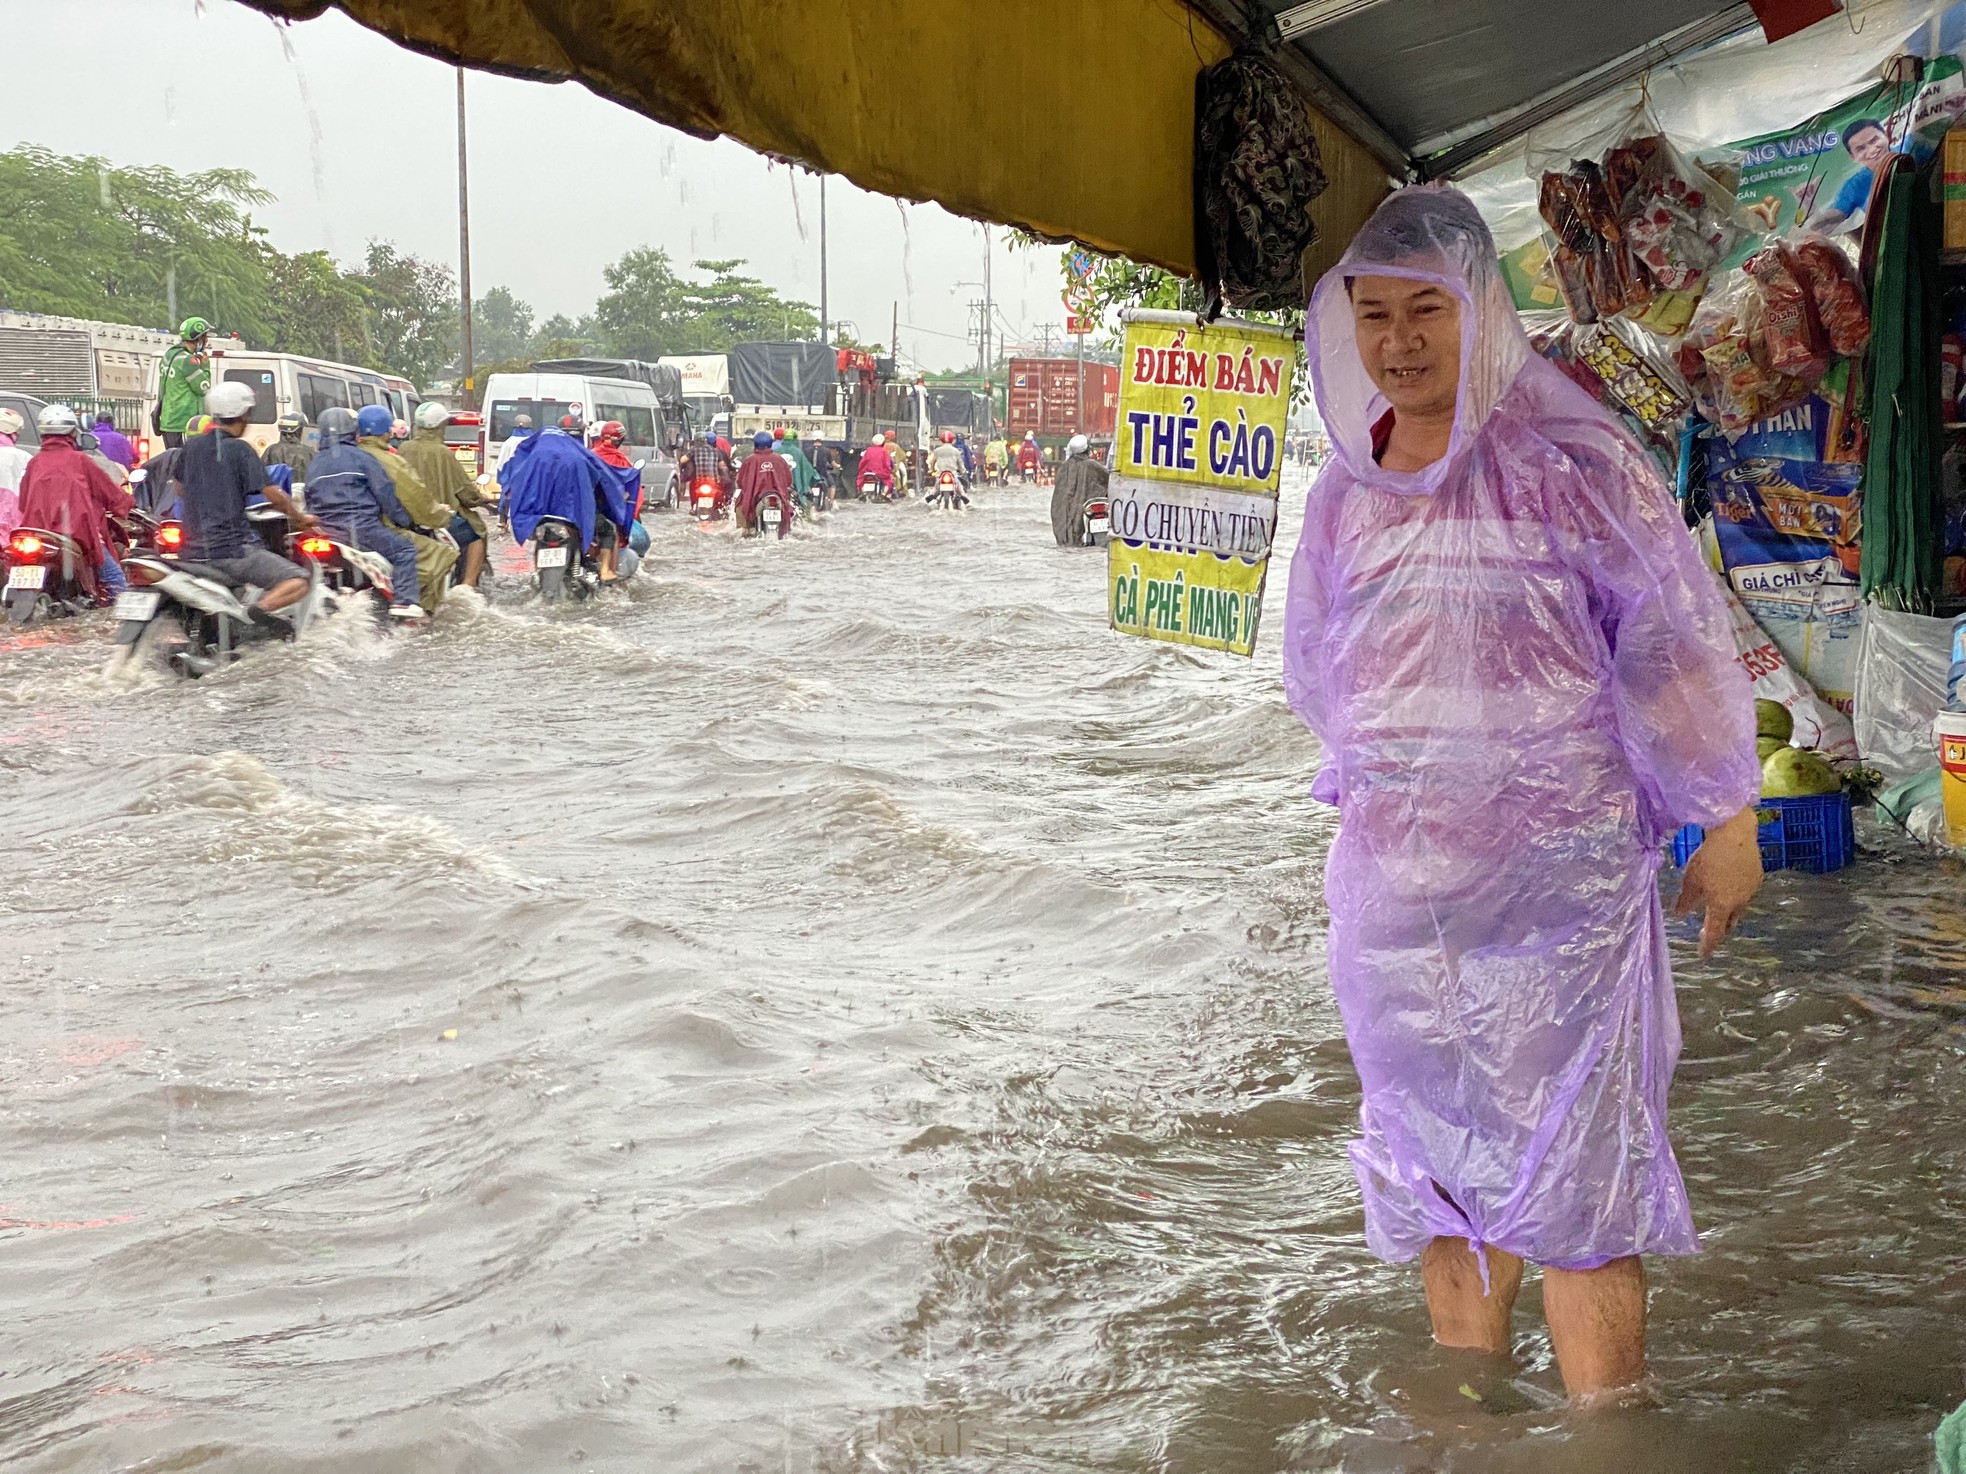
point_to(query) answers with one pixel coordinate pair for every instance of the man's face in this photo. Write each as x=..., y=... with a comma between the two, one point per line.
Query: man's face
x=1409, y=339
x=1870, y=148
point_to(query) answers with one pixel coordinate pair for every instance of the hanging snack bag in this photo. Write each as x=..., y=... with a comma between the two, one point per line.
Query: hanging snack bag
x=1792, y=342
x=1838, y=294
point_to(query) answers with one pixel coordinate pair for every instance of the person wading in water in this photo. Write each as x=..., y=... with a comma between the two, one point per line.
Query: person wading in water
x=1522, y=678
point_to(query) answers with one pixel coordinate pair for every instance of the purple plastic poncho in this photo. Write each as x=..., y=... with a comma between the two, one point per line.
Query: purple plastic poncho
x=1522, y=677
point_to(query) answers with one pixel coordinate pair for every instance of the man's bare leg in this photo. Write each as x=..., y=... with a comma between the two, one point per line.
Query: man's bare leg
x=1597, y=1326
x=1464, y=1316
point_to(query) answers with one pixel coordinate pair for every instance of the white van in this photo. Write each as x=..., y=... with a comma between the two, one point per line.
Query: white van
x=284, y=383
x=546, y=399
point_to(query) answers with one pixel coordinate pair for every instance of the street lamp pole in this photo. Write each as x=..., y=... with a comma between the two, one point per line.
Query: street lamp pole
x=465, y=376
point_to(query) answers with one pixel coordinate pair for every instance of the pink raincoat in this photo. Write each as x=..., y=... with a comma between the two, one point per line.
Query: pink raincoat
x=1522, y=677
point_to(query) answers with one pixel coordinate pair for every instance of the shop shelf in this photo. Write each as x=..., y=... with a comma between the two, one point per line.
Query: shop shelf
x=1815, y=834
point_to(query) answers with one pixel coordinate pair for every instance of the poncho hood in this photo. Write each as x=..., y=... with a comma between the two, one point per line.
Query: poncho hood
x=1426, y=233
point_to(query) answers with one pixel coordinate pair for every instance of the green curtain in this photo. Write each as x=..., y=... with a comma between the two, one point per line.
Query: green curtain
x=1903, y=511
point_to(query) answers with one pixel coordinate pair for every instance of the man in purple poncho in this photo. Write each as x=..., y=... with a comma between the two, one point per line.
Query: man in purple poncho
x=1522, y=678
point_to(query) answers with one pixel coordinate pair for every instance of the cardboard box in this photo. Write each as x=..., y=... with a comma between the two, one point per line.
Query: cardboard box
x=1954, y=192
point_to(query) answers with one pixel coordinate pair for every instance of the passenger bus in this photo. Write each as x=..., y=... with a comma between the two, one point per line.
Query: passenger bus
x=286, y=382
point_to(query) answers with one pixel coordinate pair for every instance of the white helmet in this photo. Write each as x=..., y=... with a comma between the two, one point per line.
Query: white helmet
x=10, y=421
x=1078, y=445
x=430, y=415
x=878, y=439
x=229, y=401
x=56, y=419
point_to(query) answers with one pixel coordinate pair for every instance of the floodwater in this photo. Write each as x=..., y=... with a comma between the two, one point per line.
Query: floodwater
x=836, y=1008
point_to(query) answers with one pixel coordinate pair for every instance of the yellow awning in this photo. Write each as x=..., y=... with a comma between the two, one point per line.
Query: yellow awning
x=1070, y=119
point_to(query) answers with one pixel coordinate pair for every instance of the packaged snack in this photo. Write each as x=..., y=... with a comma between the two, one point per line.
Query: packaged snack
x=1792, y=339
x=1838, y=294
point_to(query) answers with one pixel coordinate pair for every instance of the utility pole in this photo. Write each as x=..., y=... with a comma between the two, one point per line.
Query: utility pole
x=989, y=308
x=823, y=337
x=466, y=384
x=982, y=334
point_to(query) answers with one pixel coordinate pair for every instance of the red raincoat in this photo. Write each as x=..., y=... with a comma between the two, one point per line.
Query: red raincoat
x=762, y=471
x=64, y=491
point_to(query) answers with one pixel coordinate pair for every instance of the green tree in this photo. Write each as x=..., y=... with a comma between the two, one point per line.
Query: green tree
x=643, y=313
x=413, y=326
x=733, y=308
x=82, y=239
x=501, y=327
x=315, y=308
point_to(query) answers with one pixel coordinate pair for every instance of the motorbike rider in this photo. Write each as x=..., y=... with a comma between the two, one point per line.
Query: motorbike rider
x=112, y=442
x=552, y=474
x=13, y=465
x=290, y=450
x=826, y=466
x=355, y=499
x=878, y=461
x=947, y=456
x=220, y=474
x=996, y=458
x=63, y=490
x=436, y=465
x=707, y=460
x=183, y=378
x=609, y=437
x=1029, y=457
x=1080, y=479
x=969, y=459
x=901, y=460
x=804, y=477
x=761, y=472
x=426, y=516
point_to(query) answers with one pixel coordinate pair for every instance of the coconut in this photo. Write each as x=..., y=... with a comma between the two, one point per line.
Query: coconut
x=1767, y=747
x=1794, y=772
x=1772, y=719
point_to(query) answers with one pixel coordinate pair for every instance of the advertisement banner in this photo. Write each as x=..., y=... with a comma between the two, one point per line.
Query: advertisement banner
x=1819, y=176
x=1193, y=495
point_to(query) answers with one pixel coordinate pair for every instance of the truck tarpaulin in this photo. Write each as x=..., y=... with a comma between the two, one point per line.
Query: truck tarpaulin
x=665, y=380
x=704, y=374
x=787, y=375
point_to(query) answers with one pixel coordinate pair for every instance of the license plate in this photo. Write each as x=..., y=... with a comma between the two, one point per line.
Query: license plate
x=138, y=604
x=1098, y=526
x=551, y=558
x=772, y=516
x=27, y=576
x=704, y=500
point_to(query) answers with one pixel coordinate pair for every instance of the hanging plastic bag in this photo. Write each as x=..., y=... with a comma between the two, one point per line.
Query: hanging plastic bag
x=1902, y=665
x=1817, y=724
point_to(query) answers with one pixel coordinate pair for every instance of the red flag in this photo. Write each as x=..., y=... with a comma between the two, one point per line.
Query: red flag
x=1781, y=18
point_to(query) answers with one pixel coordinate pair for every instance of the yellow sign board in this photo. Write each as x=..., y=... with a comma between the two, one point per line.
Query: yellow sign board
x=1192, y=501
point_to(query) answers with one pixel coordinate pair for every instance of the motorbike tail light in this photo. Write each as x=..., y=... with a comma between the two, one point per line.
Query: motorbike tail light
x=170, y=536
x=26, y=545
x=317, y=547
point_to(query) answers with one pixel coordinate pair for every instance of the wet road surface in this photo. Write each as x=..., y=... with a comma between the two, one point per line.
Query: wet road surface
x=834, y=1007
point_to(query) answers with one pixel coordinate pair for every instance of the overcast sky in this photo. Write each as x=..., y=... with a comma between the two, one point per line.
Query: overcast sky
x=357, y=138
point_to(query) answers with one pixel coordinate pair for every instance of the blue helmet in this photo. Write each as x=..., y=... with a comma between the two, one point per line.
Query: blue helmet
x=374, y=419
x=710, y=437
x=762, y=440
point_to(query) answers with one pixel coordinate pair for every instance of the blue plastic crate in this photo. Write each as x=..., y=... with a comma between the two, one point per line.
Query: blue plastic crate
x=1815, y=834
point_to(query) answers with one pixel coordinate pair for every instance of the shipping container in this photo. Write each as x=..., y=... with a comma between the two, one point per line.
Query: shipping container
x=1044, y=398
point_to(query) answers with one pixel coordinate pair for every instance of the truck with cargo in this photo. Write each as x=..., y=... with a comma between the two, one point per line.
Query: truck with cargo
x=1044, y=399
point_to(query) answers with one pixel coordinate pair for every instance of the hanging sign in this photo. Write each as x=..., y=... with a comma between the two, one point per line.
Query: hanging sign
x=1197, y=451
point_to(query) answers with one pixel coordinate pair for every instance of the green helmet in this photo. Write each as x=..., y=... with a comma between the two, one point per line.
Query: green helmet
x=193, y=327
x=790, y=433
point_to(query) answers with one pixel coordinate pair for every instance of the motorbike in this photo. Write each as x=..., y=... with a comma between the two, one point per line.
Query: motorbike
x=947, y=493
x=557, y=565
x=42, y=580
x=211, y=612
x=707, y=501
x=1028, y=475
x=774, y=511
x=1095, y=523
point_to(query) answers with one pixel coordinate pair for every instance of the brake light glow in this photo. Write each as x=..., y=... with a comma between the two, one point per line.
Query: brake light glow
x=317, y=547
x=171, y=536
x=27, y=545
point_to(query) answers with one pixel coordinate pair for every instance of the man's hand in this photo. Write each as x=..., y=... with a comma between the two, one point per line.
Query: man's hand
x=1722, y=876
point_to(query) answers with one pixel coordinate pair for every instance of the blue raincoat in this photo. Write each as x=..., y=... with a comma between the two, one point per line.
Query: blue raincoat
x=551, y=474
